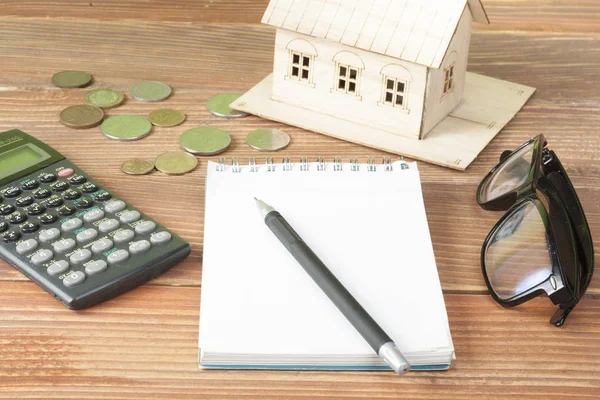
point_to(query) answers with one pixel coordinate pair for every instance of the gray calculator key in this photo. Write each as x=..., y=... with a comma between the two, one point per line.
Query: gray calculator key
x=93, y=215
x=139, y=246
x=123, y=236
x=160, y=238
x=80, y=256
x=48, y=235
x=57, y=268
x=109, y=225
x=115, y=206
x=87, y=235
x=64, y=245
x=145, y=227
x=42, y=256
x=27, y=246
x=71, y=225
x=74, y=279
x=102, y=245
x=95, y=267
x=118, y=256
x=129, y=217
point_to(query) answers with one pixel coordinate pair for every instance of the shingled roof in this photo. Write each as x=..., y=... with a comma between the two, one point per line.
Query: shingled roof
x=418, y=31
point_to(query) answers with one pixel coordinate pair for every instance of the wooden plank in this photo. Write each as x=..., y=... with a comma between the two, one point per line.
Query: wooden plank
x=513, y=15
x=144, y=346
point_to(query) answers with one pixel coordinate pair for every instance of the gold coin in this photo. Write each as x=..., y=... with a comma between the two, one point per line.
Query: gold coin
x=137, y=166
x=71, y=79
x=104, y=98
x=81, y=116
x=166, y=117
x=175, y=162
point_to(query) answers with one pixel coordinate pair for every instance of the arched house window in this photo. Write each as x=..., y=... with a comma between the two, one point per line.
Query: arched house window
x=348, y=73
x=396, y=86
x=302, y=56
x=449, y=75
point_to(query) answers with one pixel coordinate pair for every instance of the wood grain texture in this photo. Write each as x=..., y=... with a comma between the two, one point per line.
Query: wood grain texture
x=143, y=345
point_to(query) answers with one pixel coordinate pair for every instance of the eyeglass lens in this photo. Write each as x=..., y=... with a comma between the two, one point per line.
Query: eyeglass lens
x=511, y=175
x=517, y=258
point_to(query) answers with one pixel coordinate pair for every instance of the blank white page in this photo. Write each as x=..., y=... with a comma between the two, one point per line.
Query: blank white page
x=369, y=228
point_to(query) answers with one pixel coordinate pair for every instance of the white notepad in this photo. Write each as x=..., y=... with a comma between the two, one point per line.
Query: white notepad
x=259, y=308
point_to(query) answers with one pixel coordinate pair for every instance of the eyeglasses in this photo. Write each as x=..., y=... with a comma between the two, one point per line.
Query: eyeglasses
x=543, y=243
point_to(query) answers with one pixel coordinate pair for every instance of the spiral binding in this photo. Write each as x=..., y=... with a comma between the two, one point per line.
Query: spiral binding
x=287, y=165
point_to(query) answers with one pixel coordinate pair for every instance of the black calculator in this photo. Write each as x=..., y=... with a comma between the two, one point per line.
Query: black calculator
x=77, y=240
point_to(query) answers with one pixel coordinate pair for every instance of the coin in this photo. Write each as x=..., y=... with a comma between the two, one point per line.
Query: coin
x=151, y=91
x=175, y=162
x=205, y=141
x=268, y=139
x=219, y=106
x=166, y=117
x=104, y=98
x=71, y=79
x=126, y=127
x=81, y=116
x=137, y=166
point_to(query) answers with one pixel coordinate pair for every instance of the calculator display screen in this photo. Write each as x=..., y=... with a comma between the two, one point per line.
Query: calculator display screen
x=22, y=157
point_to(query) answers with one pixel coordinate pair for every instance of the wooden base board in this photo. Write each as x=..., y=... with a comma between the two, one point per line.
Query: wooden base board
x=488, y=105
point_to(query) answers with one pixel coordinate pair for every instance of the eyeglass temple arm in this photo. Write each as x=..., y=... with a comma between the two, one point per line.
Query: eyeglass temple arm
x=505, y=154
x=560, y=316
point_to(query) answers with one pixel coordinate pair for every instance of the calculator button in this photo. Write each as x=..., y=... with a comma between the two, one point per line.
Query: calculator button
x=73, y=279
x=118, y=256
x=124, y=236
x=84, y=203
x=6, y=209
x=102, y=196
x=67, y=210
x=71, y=194
x=18, y=217
x=30, y=185
x=57, y=268
x=160, y=238
x=47, y=178
x=48, y=219
x=87, y=235
x=36, y=209
x=145, y=227
x=108, y=226
x=12, y=192
x=55, y=201
x=63, y=173
x=48, y=235
x=42, y=193
x=24, y=201
x=102, y=245
x=60, y=186
x=29, y=227
x=64, y=245
x=93, y=215
x=4, y=226
x=42, y=256
x=89, y=187
x=77, y=179
x=95, y=267
x=115, y=206
x=27, y=246
x=129, y=217
x=139, y=247
x=80, y=256
x=11, y=236
x=71, y=225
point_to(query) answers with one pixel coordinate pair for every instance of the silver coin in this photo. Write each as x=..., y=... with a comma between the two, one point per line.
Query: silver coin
x=219, y=106
x=268, y=139
x=151, y=91
x=205, y=141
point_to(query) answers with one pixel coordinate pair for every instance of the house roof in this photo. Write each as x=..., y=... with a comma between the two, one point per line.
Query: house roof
x=418, y=31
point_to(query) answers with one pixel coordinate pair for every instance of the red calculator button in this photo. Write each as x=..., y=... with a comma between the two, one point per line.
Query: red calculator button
x=63, y=173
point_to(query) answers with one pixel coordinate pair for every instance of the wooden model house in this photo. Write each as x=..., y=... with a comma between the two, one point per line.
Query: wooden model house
x=390, y=74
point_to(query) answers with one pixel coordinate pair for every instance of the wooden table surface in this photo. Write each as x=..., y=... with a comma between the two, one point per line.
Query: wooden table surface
x=143, y=345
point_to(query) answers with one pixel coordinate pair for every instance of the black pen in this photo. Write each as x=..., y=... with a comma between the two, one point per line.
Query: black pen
x=333, y=288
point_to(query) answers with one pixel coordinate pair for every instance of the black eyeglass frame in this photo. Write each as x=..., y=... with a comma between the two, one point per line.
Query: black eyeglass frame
x=568, y=235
